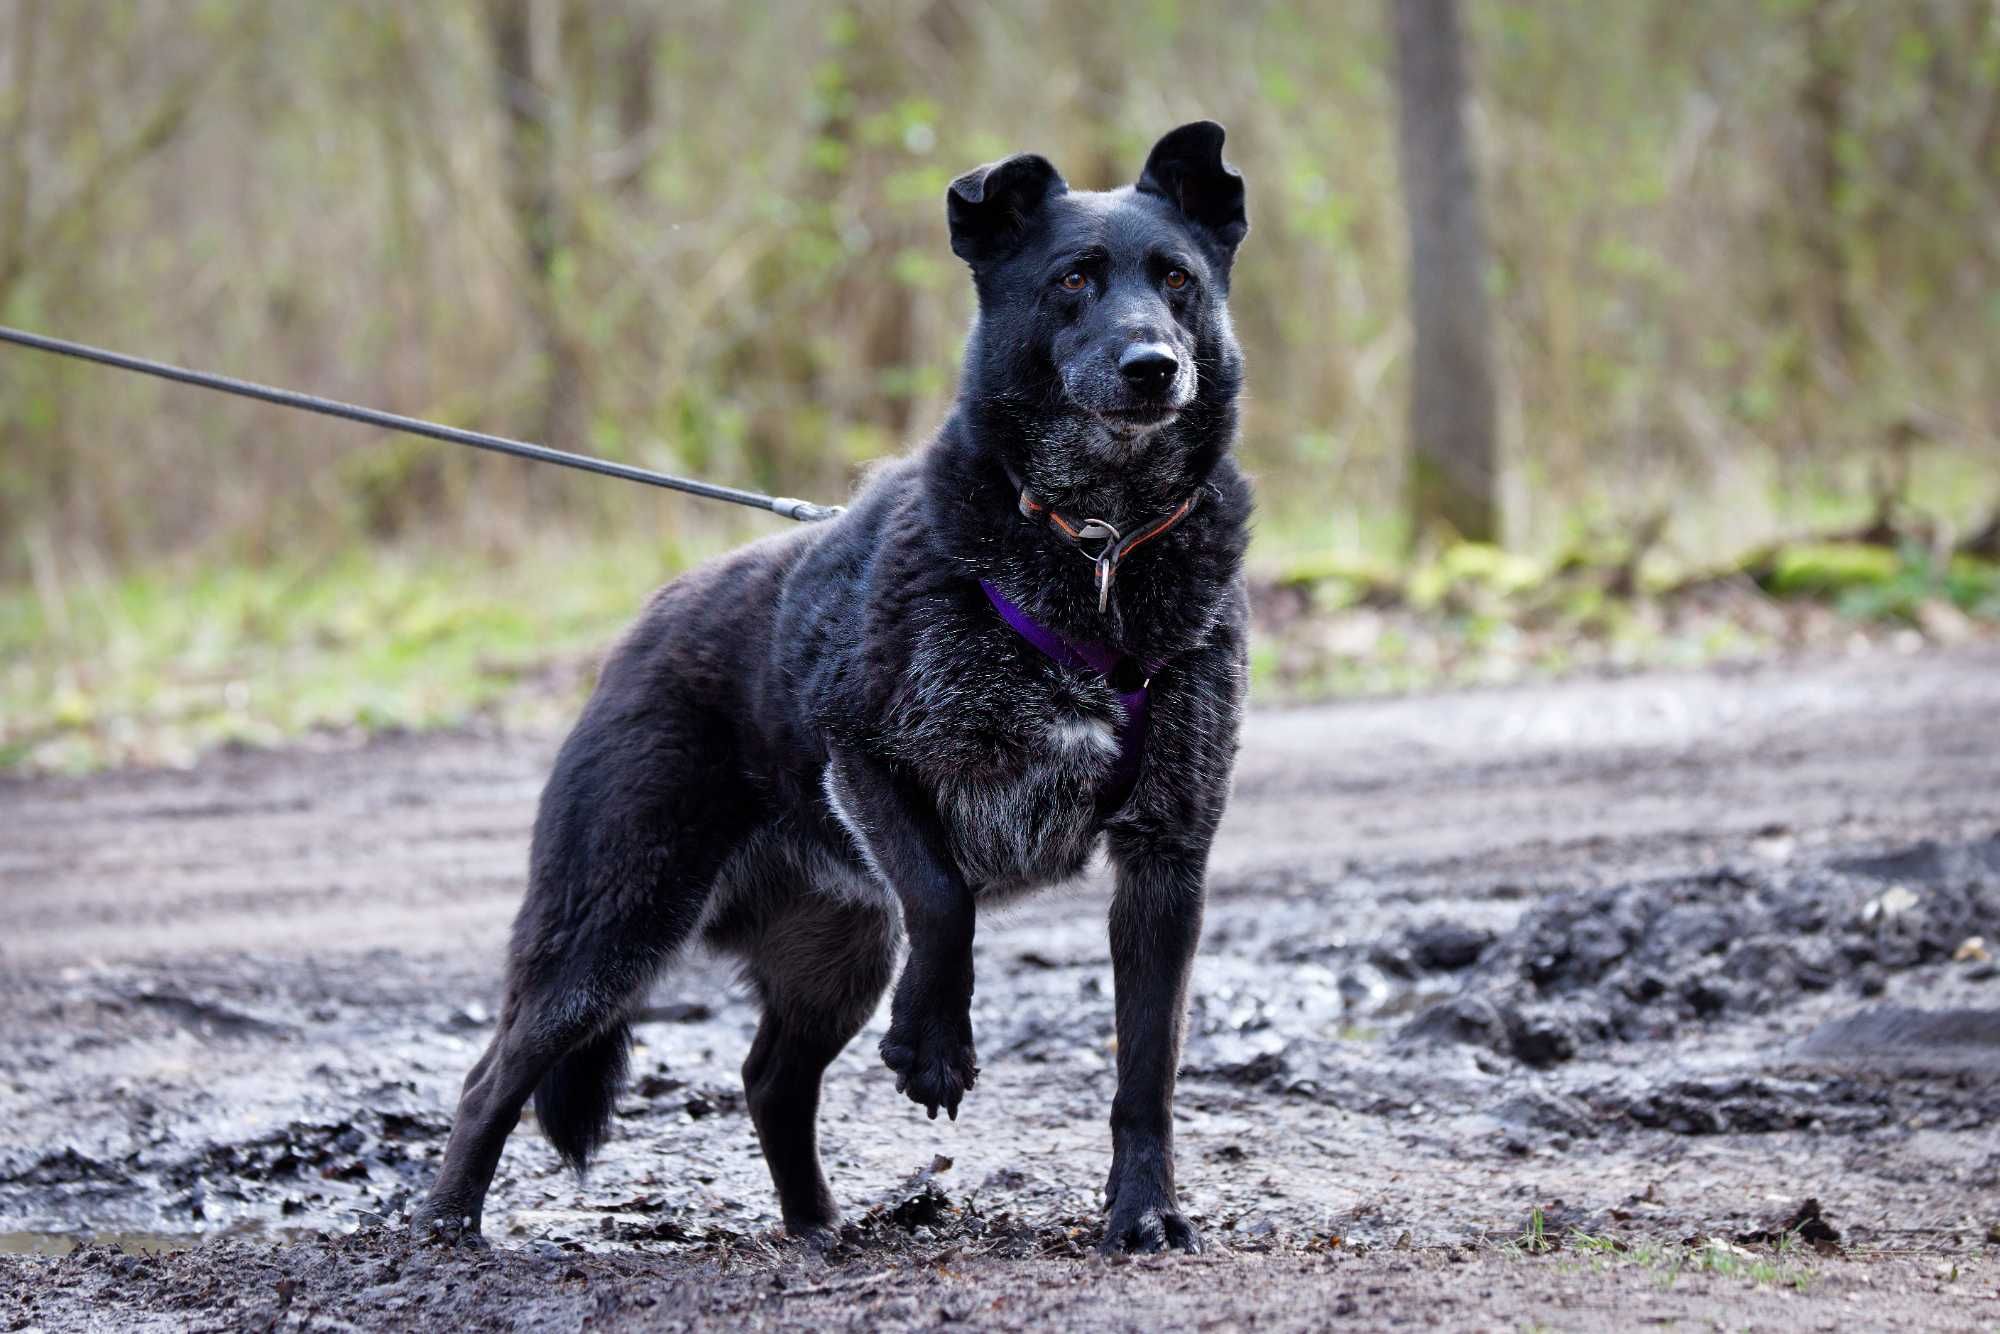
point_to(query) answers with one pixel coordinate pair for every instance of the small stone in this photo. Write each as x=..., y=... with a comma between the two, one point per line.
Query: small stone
x=1890, y=904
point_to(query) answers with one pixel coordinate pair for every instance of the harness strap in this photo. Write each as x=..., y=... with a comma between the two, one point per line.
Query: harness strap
x=1128, y=677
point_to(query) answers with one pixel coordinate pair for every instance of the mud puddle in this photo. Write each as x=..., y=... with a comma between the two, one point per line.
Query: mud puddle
x=56, y=1244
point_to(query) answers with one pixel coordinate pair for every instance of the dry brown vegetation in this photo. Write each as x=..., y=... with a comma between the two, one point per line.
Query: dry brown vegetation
x=1746, y=255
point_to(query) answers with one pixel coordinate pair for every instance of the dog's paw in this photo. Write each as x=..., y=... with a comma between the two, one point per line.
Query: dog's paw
x=933, y=1067
x=443, y=1225
x=1142, y=1231
x=823, y=1238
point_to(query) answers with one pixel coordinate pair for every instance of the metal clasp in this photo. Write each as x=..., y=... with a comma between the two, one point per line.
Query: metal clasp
x=1096, y=529
x=1104, y=560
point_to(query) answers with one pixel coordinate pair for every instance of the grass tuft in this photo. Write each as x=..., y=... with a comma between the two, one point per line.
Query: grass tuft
x=1780, y=1264
x=158, y=666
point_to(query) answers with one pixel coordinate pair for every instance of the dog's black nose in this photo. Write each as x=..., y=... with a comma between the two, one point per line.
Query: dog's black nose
x=1149, y=366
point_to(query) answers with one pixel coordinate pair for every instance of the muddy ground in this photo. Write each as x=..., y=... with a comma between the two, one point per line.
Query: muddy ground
x=1653, y=959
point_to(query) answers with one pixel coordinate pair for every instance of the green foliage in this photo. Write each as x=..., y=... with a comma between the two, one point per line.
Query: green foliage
x=742, y=248
x=1535, y=1238
x=1778, y=1264
x=1822, y=569
x=715, y=243
x=1469, y=570
x=156, y=667
x=1920, y=580
x=1882, y=583
x=1472, y=613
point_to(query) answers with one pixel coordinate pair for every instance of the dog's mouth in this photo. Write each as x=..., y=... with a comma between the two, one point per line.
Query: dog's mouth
x=1123, y=412
x=1133, y=418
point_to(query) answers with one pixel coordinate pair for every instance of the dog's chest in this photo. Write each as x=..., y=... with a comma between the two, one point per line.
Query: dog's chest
x=1018, y=769
x=1034, y=821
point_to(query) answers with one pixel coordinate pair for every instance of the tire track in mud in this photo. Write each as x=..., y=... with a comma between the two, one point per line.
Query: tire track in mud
x=1848, y=749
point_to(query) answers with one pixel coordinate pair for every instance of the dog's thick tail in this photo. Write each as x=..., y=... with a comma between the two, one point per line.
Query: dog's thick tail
x=575, y=1099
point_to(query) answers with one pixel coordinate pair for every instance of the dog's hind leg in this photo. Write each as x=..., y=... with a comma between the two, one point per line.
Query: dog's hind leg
x=819, y=969
x=613, y=894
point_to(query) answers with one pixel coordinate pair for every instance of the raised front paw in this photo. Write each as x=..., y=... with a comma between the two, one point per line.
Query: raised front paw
x=1144, y=1228
x=934, y=1065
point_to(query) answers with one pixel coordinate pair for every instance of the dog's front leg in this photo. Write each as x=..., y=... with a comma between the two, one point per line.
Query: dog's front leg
x=929, y=1043
x=1155, y=925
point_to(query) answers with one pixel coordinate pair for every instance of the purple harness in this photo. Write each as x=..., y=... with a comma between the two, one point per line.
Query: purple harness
x=1127, y=676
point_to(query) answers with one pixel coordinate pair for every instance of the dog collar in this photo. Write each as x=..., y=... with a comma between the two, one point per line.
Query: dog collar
x=1117, y=546
x=1129, y=678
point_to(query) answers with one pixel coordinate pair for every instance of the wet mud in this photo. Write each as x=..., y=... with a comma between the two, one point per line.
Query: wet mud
x=1652, y=961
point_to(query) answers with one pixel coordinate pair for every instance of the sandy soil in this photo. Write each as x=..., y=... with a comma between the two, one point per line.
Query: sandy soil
x=1658, y=958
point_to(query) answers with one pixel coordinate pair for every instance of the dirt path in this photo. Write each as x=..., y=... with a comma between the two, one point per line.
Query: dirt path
x=1658, y=957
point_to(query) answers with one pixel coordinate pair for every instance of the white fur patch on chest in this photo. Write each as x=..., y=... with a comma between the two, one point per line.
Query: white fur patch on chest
x=1032, y=827
x=1081, y=732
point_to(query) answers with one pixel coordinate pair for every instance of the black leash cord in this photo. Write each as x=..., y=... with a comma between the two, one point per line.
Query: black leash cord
x=805, y=511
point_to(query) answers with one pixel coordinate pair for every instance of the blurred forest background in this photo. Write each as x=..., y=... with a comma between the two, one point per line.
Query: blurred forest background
x=1742, y=263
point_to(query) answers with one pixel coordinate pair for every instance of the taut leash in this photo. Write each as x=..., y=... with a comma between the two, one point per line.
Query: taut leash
x=805, y=511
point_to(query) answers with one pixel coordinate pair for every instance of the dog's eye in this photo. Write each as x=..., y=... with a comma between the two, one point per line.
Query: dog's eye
x=1177, y=278
x=1074, y=281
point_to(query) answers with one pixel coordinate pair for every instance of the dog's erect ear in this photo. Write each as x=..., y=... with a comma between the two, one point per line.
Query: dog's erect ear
x=1186, y=169
x=989, y=207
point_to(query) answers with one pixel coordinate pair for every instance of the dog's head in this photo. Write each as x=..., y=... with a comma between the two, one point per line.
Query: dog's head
x=1103, y=330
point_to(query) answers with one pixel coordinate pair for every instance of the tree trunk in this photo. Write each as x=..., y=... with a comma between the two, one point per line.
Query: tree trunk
x=1454, y=472
x=526, y=37
x=1828, y=316
x=18, y=172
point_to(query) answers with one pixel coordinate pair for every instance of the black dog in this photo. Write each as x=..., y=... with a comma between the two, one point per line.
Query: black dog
x=1026, y=637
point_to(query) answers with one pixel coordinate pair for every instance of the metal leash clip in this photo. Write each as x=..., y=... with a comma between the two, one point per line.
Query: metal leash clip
x=1106, y=567
x=1105, y=560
